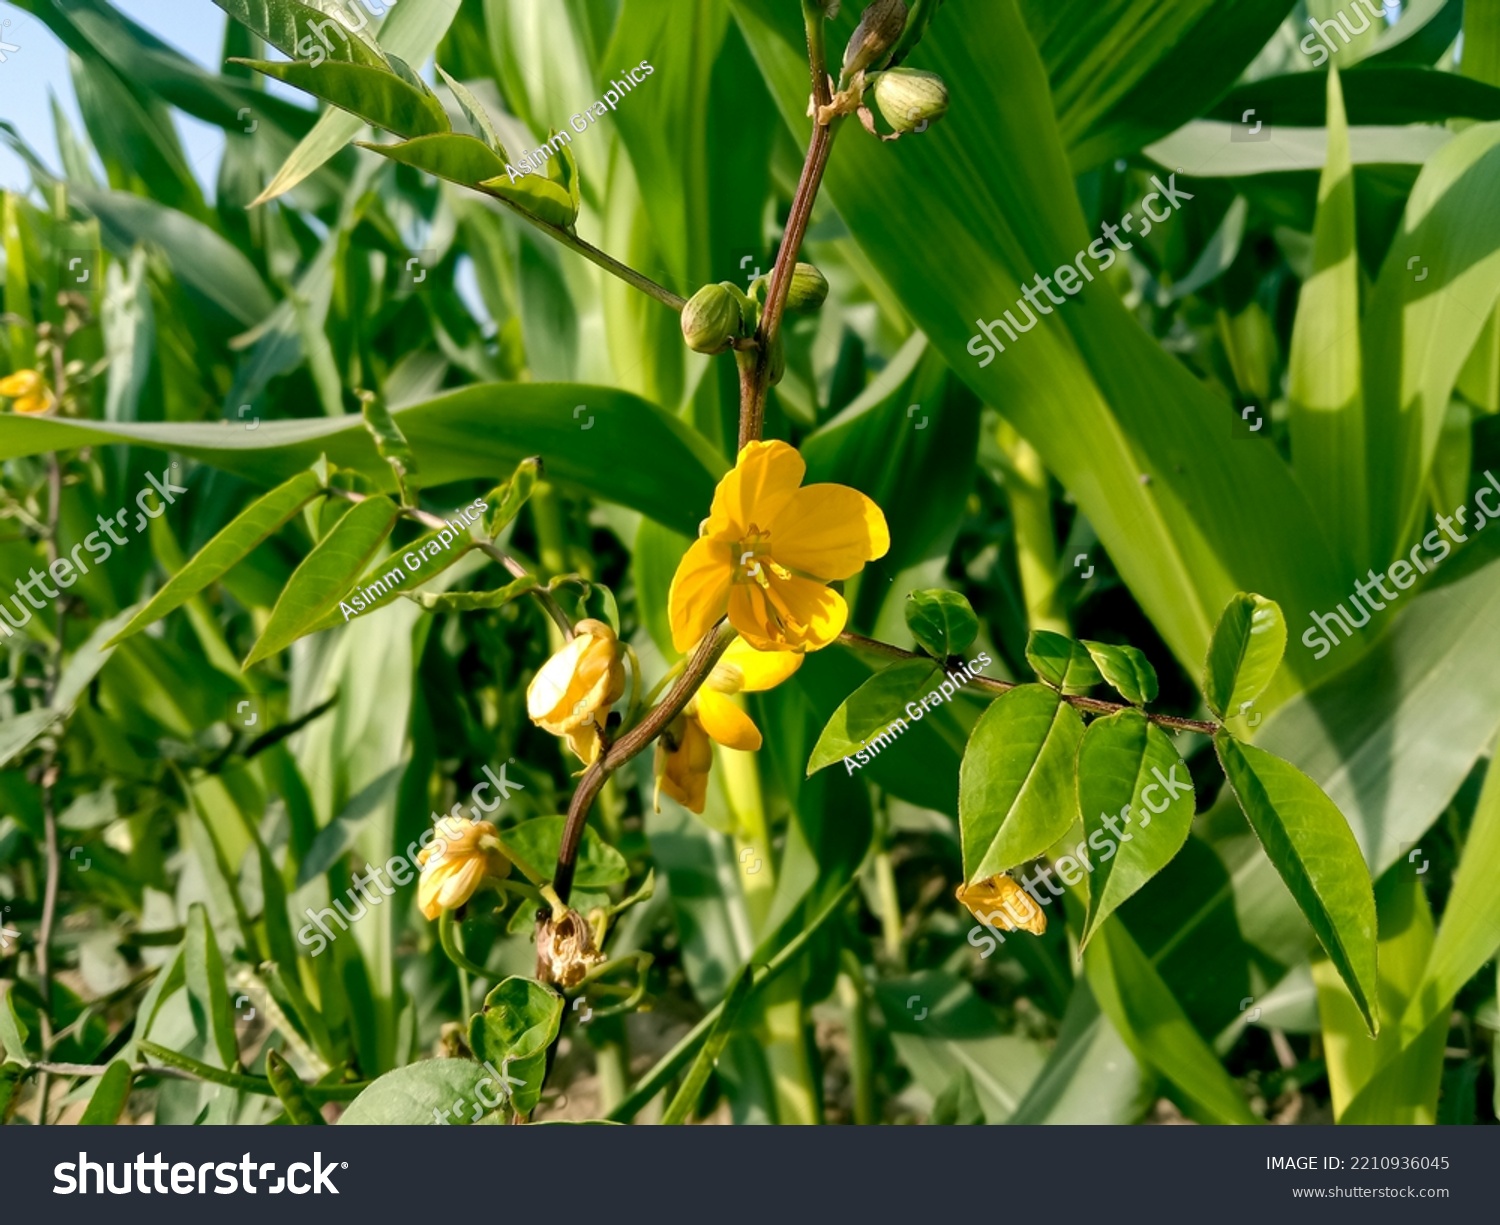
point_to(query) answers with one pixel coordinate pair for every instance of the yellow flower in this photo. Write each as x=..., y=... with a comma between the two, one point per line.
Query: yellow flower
x=459, y=860
x=1002, y=903
x=768, y=548
x=684, y=753
x=574, y=690
x=28, y=390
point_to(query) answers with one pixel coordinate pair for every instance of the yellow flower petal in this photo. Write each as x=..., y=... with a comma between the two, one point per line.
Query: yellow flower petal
x=1001, y=902
x=21, y=383
x=762, y=481
x=789, y=614
x=743, y=668
x=829, y=532
x=700, y=591
x=549, y=687
x=726, y=722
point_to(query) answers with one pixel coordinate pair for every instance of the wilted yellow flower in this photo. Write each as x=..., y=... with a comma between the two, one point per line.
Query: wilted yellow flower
x=767, y=550
x=462, y=856
x=565, y=950
x=741, y=669
x=684, y=756
x=574, y=690
x=28, y=391
x=1002, y=903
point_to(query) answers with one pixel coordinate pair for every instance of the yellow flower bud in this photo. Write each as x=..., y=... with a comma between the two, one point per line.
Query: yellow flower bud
x=28, y=390
x=878, y=31
x=910, y=99
x=1000, y=902
x=809, y=289
x=464, y=855
x=574, y=690
x=684, y=756
x=711, y=319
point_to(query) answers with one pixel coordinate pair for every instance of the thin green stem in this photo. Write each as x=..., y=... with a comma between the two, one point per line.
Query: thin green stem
x=449, y=938
x=186, y=1067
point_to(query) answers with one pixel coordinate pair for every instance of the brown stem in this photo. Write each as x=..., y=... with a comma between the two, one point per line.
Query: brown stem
x=629, y=745
x=989, y=684
x=437, y=523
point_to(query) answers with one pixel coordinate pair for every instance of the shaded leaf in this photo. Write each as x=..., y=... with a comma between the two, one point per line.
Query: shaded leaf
x=1061, y=662
x=1127, y=669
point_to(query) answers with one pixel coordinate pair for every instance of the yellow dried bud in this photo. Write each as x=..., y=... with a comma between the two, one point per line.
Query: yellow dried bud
x=910, y=99
x=711, y=319
x=809, y=289
x=879, y=30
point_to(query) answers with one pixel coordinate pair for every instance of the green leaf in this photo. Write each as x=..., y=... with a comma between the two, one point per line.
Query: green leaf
x=291, y=1092
x=296, y=29
x=686, y=1099
x=1246, y=650
x=252, y=525
x=631, y=452
x=1061, y=662
x=475, y=113
x=553, y=202
x=458, y=1091
x=1016, y=795
x=1141, y=1005
x=13, y=1031
x=519, y=1021
x=471, y=601
x=1309, y=843
x=109, y=1096
x=419, y=562
x=375, y=95
x=505, y=501
x=1121, y=758
x=942, y=622
x=865, y=720
x=1376, y=95
x=537, y=841
x=207, y=996
x=454, y=156
x=389, y=440
x=1129, y=671
x=324, y=575
x=18, y=733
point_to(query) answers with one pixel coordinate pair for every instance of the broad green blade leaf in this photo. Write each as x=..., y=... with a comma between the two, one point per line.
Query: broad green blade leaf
x=411, y=33
x=870, y=718
x=505, y=501
x=202, y=260
x=1437, y=288
x=520, y=1019
x=252, y=525
x=1309, y=843
x=1353, y=1060
x=1131, y=835
x=1142, y=1007
x=537, y=841
x=1376, y=94
x=376, y=95
x=19, y=731
x=1469, y=933
x=109, y=1097
x=621, y=449
x=1061, y=662
x=1324, y=389
x=686, y=1099
x=291, y=1092
x=324, y=575
x=307, y=30
x=455, y=1091
x=1426, y=30
x=1127, y=669
x=1246, y=650
x=471, y=601
x=208, y=997
x=1016, y=794
x=942, y=622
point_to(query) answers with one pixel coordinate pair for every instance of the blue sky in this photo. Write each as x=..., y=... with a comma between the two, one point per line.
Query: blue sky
x=40, y=68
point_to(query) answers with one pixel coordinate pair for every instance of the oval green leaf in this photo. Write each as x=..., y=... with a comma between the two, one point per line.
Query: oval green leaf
x=536, y=843
x=1015, y=787
x=1311, y=846
x=109, y=1096
x=1246, y=650
x=942, y=622
x=324, y=575
x=520, y=1019
x=1131, y=835
x=433, y=1091
x=1125, y=668
x=867, y=715
x=1061, y=662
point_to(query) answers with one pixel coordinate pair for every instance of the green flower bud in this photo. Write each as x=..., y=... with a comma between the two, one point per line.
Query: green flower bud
x=910, y=99
x=809, y=289
x=879, y=30
x=711, y=319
